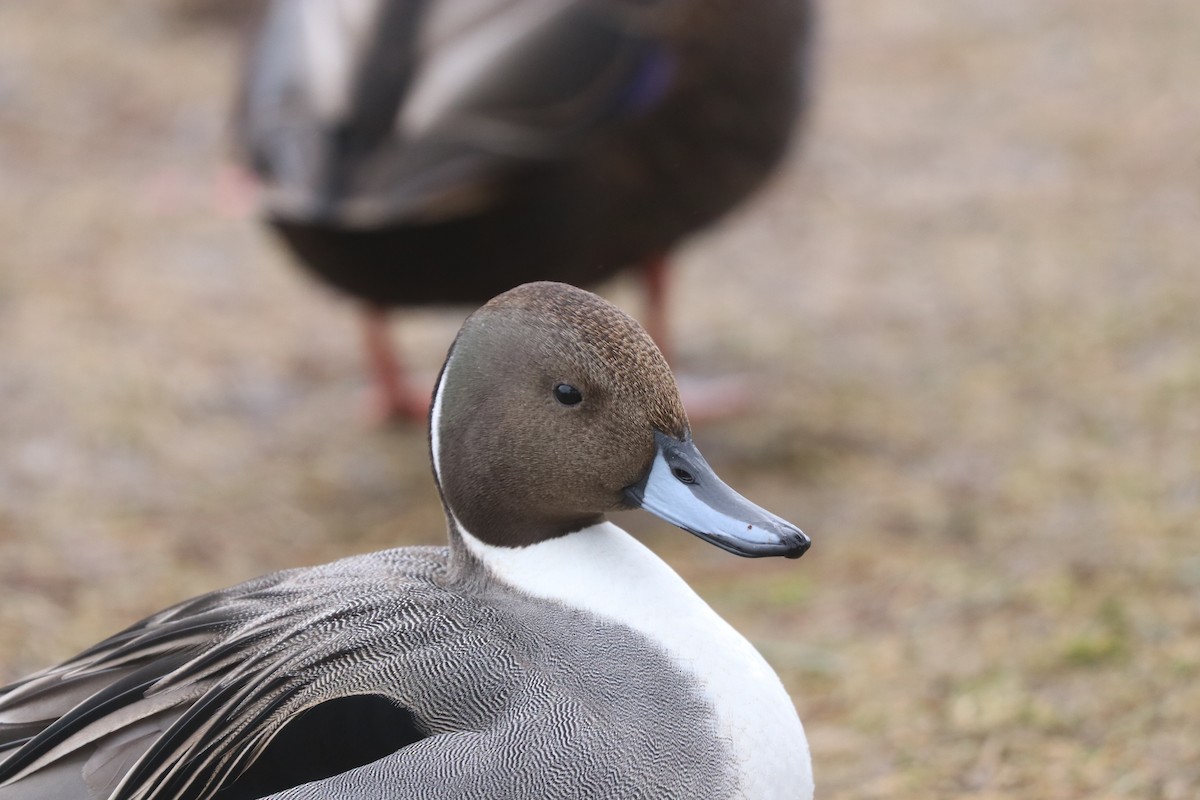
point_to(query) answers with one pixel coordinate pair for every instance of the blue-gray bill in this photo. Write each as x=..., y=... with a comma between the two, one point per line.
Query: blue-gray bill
x=683, y=489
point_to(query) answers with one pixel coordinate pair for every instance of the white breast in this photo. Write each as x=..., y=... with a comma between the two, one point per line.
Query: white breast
x=605, y=571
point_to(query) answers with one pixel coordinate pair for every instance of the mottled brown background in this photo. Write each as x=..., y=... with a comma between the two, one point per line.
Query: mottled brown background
x=970, y=307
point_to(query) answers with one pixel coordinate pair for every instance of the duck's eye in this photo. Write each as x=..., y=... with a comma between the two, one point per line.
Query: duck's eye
x=567, y=394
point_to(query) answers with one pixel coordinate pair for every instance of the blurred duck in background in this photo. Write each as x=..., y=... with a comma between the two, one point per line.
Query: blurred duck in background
x=416, y=152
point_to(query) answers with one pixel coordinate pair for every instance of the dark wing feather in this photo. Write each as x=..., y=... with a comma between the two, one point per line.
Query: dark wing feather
x=329, y=739
x=106, y=703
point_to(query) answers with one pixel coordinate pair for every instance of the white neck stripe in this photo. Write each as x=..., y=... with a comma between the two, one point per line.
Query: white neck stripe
x=435, y=420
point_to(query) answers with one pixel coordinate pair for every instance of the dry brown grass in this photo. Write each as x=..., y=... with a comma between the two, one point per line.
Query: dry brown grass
x=972, y=310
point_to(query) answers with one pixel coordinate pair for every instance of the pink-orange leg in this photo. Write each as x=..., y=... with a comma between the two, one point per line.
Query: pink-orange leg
x=236, y=192
x=394, y=397
x=654, y=278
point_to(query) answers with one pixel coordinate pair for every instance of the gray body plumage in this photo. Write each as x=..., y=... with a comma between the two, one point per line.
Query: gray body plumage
x=512, y=693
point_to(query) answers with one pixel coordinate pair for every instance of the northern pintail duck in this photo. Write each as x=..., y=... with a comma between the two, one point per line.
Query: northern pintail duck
x=544, y=654
x=418, y=152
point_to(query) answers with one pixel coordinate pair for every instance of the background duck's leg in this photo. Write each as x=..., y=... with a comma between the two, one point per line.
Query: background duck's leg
x=393, y=397
x=654, y=279
x=706, y=398
x=236, y=191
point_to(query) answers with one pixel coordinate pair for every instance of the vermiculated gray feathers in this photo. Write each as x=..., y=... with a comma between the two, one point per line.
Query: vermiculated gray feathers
x=516, y=697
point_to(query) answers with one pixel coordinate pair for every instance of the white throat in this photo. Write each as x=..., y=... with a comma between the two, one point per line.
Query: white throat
x=605, y=571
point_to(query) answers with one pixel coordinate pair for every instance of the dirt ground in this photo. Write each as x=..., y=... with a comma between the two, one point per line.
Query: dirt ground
x=969, y=307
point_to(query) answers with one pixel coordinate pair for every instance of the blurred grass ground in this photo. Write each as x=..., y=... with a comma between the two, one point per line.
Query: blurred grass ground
x=972, y=308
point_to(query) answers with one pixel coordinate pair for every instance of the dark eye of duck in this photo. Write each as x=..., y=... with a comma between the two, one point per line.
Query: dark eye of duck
x=567, y=394
x=683, y=475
